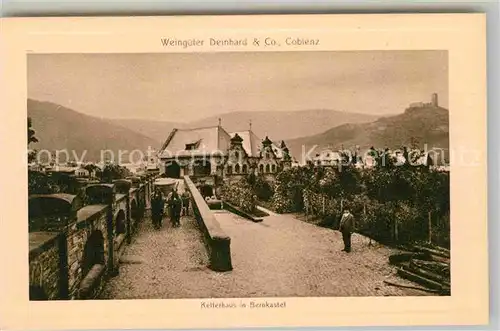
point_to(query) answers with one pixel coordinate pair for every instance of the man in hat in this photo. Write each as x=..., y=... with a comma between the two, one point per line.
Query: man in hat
x=185, y=196
x=175, y=205
x=346, y=228
x=157, y=205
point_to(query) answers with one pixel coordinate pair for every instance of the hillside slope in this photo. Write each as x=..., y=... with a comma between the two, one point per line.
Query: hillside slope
x=157, y=130
x=422, y=126
x=284, y=124
x=58, y=128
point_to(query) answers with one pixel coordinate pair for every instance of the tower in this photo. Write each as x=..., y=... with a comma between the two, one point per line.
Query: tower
x=434, y=99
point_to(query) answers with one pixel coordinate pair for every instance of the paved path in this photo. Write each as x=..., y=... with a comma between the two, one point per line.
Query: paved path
x=282, y=256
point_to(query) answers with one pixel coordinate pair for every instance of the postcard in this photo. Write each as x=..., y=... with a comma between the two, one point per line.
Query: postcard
x=244, y=171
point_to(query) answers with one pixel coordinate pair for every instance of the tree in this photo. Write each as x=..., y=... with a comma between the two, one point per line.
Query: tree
x=40, y=183
x=31, y=139
x=113, y=171
x=92, y=168
x=31, y=133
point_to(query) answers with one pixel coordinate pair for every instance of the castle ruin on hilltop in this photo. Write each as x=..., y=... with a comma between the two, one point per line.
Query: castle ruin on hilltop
x=433, y=103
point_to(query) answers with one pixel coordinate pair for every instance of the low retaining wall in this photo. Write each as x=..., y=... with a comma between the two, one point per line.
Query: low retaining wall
x=234, y=209
x=214, y=204
x=48, y=276
x=92, y=283
x=75, y=241
x=217, y=241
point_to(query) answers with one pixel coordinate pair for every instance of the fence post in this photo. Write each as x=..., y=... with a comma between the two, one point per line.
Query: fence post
x=430, y=227
x=323, y=205
x=396, y=230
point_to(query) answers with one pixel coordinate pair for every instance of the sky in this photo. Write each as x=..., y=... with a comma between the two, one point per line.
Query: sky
x=183, y=87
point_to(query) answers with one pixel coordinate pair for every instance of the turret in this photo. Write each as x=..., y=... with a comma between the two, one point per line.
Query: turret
x=236, y=140
x=267, y=142
x=434, y=99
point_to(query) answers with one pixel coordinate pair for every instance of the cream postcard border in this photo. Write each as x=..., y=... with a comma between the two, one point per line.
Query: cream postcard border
x=462, y=35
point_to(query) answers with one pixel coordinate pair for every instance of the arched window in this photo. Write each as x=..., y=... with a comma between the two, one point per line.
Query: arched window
x=202, y=168
x=173, y=170
x=268, y=168
x=93, y=252
x=120, y=222
x=229, y=169
x=245, y=169
x=237, y=169
x=261, y=168
x=273, y=168
x=134, y=211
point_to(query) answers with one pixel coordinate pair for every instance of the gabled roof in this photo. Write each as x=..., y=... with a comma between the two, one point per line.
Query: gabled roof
x=206, y=140
x=253, y=144
x=278, y=151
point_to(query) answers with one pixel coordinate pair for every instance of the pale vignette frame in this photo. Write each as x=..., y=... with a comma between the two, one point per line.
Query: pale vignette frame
x=463, y=35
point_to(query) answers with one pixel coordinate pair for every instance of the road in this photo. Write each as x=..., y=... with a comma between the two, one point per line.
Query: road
x=280, y=257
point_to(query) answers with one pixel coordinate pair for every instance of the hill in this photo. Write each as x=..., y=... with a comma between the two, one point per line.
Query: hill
x=278, y=125
x=157, y=130
x=429, y=125
x=285, y=124
x=59, y=128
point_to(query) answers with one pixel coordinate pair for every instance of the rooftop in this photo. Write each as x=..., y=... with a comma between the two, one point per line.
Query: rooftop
x=210, y=140
x=197, y=141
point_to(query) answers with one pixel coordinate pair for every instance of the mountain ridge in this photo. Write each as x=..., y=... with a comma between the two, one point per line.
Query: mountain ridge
x=427, y=127
x=61, y=128
x=278, y=125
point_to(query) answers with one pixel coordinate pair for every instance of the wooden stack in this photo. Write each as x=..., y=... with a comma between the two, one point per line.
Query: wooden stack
x=428, y=266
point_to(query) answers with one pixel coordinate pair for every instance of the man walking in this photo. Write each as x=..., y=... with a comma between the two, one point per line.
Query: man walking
x=174, y=203
x=157, y=205
x=185, y=202
x=346, y=228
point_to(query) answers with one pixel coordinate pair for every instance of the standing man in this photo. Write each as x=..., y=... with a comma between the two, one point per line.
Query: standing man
x=157, y=206
x=185, y=202
x=347, y=227
x=175, y=205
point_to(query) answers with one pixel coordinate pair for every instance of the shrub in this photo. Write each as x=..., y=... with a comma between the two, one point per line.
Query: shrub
x=261, y=188
x=40, y=183
x=240, y=194
x=389, y=203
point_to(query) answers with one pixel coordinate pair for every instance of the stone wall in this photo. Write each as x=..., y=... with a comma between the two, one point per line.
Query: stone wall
x=75, y=247
x=44, y=266
x=93, y=219
x=217, y=241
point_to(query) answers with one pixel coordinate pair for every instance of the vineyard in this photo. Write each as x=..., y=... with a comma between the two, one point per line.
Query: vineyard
x=392, y=204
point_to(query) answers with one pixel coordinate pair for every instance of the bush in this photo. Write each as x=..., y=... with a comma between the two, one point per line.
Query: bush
x=240, y=194
x=112, y=172
x=261, y=188
x=389, y=203
x=40, y=183
x=289, y=188
x=441, y=232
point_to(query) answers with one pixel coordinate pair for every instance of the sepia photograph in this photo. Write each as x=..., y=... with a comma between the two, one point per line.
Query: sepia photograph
x=244, y=171
x=263, y=175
